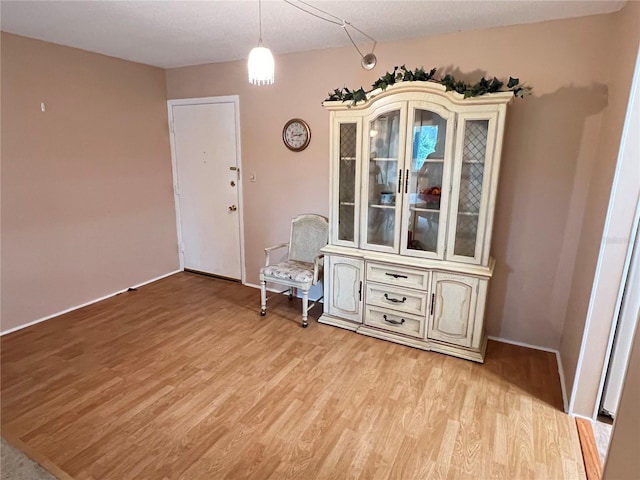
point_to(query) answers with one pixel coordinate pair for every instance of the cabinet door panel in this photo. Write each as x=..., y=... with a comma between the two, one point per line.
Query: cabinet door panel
x=453, y=308
x=345, y=288
x=471, y=187
x=427, y=178
x=346, y=190
x=382, y=167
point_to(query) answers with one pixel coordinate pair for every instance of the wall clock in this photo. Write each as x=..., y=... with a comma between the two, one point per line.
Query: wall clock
x=296, y=134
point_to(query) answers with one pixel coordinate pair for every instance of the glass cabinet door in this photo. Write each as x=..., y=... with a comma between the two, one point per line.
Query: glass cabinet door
x=469, y=199
x=427, y=173
x=347, y=191
x=381, y=177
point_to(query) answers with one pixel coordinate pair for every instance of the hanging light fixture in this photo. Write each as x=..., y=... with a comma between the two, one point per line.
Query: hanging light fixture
x=261, y=64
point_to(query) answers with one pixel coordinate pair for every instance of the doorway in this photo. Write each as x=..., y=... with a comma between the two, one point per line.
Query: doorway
x=205, y=153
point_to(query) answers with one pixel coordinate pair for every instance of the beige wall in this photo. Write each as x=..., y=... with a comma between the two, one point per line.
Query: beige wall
x=625, y=40
x=548, y=160
x=623, y=461
x=87, y=201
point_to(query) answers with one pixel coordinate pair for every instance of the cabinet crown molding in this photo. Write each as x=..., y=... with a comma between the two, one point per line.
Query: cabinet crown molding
x=417, y=88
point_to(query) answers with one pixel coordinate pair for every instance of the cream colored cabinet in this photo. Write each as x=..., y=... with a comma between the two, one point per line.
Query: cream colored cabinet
x=414, y=172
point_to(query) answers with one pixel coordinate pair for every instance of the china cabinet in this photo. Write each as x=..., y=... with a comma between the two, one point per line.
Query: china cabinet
x=414, y=171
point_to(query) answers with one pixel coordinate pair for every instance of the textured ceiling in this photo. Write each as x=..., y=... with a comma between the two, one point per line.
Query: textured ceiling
x=178, y=33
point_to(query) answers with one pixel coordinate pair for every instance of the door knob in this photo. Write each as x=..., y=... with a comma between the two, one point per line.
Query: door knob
x=233, y=208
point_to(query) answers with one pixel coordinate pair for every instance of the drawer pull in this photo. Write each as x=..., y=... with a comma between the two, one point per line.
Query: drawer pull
x=395, y=300
x=396, y=275
x=393, y=322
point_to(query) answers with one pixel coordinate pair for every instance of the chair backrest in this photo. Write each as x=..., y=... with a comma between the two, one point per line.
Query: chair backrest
x=309, y=233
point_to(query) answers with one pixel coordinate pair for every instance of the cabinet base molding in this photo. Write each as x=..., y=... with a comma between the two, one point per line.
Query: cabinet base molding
x=427, y=345
x=467, y=354
x=338, y=322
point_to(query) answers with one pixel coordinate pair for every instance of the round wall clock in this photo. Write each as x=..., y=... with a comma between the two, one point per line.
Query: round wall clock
x=296, y=134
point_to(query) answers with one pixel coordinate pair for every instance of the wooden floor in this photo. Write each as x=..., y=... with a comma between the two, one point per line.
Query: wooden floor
x=589, y=447
x=183, y=379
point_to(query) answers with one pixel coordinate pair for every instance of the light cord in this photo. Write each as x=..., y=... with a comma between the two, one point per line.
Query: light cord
x=260, y=21
x=354, y=43
x=320, y=10
x=335, y=20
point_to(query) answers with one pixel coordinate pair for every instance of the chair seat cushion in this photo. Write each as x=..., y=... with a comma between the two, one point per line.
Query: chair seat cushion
x=290, y=270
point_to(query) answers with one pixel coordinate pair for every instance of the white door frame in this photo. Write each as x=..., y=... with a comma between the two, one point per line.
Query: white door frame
x=235, y=99
x=620, y=217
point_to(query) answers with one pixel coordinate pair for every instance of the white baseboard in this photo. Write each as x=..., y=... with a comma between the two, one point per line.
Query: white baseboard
x=565, y=398
x=576, y=415
x=96, y=300
x=563, y=388
x=522, y=344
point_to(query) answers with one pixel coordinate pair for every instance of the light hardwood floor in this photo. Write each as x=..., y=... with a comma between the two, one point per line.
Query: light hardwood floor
x=183, y=379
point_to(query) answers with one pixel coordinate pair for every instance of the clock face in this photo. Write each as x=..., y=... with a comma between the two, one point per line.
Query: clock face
x=296, y=135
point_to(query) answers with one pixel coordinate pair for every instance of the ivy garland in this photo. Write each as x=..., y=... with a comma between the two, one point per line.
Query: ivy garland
x=402, y=74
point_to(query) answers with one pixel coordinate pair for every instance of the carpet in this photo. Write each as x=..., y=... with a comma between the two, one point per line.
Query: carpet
x=602, y=434
x=15, y=465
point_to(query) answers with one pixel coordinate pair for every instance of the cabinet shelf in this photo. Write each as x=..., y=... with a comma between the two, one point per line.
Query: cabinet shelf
x=384, y=159
x=386, y=207
x=418, y=174
x=347, y=204
x=469, y=214
x=348, y=159
x=424, y=209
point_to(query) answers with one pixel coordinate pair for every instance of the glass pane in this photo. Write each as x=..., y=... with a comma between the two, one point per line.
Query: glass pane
x=383, y=178
x=473, y=157
x=425, y=180
x=347, y=182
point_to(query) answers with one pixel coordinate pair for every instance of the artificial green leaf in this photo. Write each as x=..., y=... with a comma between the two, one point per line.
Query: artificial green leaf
x=403, y=74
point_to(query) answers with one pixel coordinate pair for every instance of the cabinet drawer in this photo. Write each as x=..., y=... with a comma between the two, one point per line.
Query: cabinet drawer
x=400, y=276
x=404, y=323
x=404, y=300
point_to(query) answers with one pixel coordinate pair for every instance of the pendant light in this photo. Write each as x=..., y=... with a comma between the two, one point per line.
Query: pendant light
x=261, y=64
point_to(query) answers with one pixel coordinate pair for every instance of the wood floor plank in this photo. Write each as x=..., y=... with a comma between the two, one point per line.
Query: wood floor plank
x=589, y=448
x=182, y=379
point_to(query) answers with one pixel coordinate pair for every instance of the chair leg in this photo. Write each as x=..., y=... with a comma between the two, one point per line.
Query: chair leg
x=305, y=306
x=263, y=298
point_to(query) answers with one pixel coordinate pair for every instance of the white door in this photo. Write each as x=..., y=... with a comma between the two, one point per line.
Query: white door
x=205, y=146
